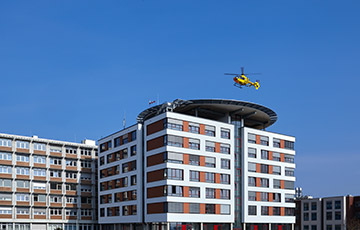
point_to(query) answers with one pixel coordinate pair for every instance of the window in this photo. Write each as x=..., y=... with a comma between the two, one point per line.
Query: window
x=252, y=181
x=194, y=143
x=22, y=144
x=22, y=158
x=313, y=206
x=252, y=196
x=276, y=197
x=337, y=204
x=329, y=227
x=252, y=138
x=289, y=185
x=313, y=216
x=71, y=187
x=251, y=167
x=39, y=211
x=5, y=169
x=210, y=193
x=55, y=149
x=174, y=124
x=22, y=171
x=173, y=207
x=5, y=156
x=313, y=227
x=264, y=168
x=22, y=211
x=194, y=128
x=85, y=164
x=70, y=212
x=289, y=211
x=5, y=183
x=133, y=150
x=289, y=171
x=71, y=150
x=209, y=177
x=337, y=215
x=337, y=227
x=306, y=206
x=225, y=148
x=174, y=190
x=55, y=161
x=5, y=196
x=55, y=186
x=306, y=227
x=85, y=188
x=328, y=204
x=71, y=175
x=105, y=146
x=264, y=154
x=276, y=211
x=55, y=199
x=289, y=198
x=194, y=175
x=5, y=142
x=224, y=179
x=125, y=139
x=264, y=140
x=22, y=184
x=225, y=133
x=133, y=180
x=85, y=212
x=174, y=174
x=174, y=141
x=85, y=152
x=194, y=192
x=225, y=164
x=102, y=160
x=55, y=173
x=252, y=210
x=276, y=157
x=210, y=130
x=5, y=210
x=277, y=183
x=209, y=208
x=38, y=185
x=71, y=163
x=194, y=208
x=133, y=135
x=289, y=145
x=306, y=216
x=39, y=159
x=225, y=209
x=210, y=162
x=276, y=170
x=225, y=194
x=85, y=176
x=264, y=196
x=194, y=160
x=55, y=212
x=264, y=182
x=251, y=153
x=210, y=146
x=22, y=197
x=276, y=143
x=264, y=210
x=116, y=142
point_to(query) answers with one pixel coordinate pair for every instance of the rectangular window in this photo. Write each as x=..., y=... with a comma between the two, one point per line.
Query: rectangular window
x=313, y=206
x=174, y=174
x=313, y=216
x=209, y=177
x=194, y=192
x=22, y=184
x=22, y=211
x=39, y=211
x=264, y=168
x=38, y=185
x=276, y=156
x=5, y=197
x=133, y=150
x=174, y=141
x=174, y=190
x=5, y=156
x=22, y=197
x=276, y=143
x=210, y=193
x=71, y=163
x=194, y=143
x=276, y=170
x=174, y=124
x=289, y=185
x=22, y=144
x=252, y=138
x=264, y=154
x=22, y=171
x=225, y=209
x=55, y=173
x=210, y=130
x=264, y=196
x=39, y=159
x=289, y=145
x=133, y=180
x=225, y=163
x=277, y=183
x=276, y=211
x=133, y=135
x=225, y=194
x=194, y=160
x=337, y=204
x=225, y=148
x=194, y=175
x=5, y=142
x=289, y=198
x=194, y=208
x=55, y=161
x=5, y=183
x=252, y=196
x=276, y=197
x=209, y=208
x=251, y=153
x=328, y=204
x=264, y=140
x=22, y=158
x=125, y=139
x=225, y=133
x=306, y=206
x=210, y=162
x=252, y=181
x=55, y=199
x=172, y=157
x=224, y=178
x=173, y=207
x=264, y=182
x=251, y=167
x=252, y=210
x=337, y=215
x=210, y=146
x=289, y=171
x=194, y=128
x=328, y=215
x=264, y=210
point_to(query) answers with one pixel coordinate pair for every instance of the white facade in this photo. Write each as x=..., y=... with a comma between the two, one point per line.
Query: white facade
x=186, y=217
x=270, y=177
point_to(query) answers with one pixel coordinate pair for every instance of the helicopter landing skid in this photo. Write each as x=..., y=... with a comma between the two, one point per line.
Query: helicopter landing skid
x=237, y=85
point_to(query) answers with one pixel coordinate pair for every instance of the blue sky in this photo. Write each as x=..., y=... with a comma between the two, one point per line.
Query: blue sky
x=69, y=70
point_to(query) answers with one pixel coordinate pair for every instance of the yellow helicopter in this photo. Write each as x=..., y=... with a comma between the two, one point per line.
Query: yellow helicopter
x=242, y=80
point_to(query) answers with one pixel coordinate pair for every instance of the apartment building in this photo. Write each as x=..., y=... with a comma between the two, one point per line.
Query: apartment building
x=200, y=164
x=329, y=213
x=47, y=184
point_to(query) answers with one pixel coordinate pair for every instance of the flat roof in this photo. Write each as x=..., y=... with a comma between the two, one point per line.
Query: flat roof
x=254, y=115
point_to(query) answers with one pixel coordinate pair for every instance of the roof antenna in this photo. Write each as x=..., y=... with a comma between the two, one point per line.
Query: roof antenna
x=124, y=119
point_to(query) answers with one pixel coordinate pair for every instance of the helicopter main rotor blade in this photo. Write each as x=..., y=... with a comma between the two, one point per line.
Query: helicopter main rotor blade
x=232, y=74
x=252, y=74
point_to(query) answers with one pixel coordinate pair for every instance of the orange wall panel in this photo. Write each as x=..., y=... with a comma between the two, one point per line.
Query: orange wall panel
x=185, y=126
x=202, y=129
